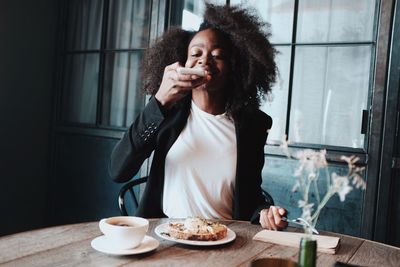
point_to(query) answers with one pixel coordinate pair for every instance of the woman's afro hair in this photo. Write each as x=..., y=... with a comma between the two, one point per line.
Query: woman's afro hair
x=253, y=68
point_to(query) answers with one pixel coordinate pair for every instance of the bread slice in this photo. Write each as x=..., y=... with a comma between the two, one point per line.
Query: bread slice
x=197, y=229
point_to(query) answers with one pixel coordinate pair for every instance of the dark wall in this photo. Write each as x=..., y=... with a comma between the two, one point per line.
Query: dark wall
x=27, y=53
x=81, y=189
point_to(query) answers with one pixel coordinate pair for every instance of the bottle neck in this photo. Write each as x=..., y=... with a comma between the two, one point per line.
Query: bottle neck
x=307, y=253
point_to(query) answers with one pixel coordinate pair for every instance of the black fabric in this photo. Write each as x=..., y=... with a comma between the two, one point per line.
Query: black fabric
x=154, y=131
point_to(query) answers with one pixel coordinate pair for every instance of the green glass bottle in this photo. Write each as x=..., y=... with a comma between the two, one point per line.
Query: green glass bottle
x=307, y=253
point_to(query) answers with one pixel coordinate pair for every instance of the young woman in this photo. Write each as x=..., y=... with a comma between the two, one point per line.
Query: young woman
x=206, y=131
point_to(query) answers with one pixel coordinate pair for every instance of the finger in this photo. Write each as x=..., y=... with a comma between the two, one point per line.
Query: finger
x=173, y=66
x=271, y=218
x=172, y=74
x=261, y=220
x=282, y=225
x=278, y=214
x=187, y=85
x=186, y=77
x=264, y=219
x=282, y=211
x=277, y=217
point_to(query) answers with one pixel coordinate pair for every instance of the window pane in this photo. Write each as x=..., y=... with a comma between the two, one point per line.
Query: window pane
x=278, y=13
x=277, y=108
x=335, y=20
x=330, y=90
x=192, y=14
x=80, y=88
x=84, y=24
x=122, y=98
x=129, y=24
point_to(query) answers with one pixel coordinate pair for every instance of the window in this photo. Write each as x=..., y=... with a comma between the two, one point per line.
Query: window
x=325, y=61
x=105, y=41
x=325, y=52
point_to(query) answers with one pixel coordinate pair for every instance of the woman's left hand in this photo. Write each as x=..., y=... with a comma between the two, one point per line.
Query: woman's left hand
x=271, y=218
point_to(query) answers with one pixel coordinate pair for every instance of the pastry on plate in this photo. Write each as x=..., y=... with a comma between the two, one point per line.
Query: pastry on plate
x=197, y=229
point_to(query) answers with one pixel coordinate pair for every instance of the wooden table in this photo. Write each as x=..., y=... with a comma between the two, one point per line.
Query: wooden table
x=69, y=245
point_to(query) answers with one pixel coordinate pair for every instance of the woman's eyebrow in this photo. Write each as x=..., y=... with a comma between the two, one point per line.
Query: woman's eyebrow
x=201, y=45
x=197, y=45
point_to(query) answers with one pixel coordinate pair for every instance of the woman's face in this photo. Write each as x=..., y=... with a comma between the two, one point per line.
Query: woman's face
x=210, y=51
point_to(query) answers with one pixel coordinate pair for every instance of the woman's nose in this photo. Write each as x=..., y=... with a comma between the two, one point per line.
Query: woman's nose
x=203, y=61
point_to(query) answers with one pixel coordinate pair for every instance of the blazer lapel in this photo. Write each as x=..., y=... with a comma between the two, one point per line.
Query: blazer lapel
x=239, y=128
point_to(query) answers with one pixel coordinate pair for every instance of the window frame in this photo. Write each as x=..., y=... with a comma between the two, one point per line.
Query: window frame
x=373, y=198
x=158, y=14
x=334, y=152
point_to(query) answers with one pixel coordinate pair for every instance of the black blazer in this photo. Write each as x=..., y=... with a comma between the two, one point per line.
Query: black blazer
x=155, y=131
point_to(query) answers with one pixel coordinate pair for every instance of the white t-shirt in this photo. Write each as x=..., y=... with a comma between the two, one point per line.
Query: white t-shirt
x=200, y=168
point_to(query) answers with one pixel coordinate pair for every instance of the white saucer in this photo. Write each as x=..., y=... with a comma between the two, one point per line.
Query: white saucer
x=101, y=244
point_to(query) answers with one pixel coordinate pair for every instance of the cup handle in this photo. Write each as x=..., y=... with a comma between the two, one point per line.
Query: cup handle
x=102, y=224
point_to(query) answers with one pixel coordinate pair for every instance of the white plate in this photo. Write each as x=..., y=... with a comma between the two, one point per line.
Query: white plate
x=163, y=228
x=101, y=244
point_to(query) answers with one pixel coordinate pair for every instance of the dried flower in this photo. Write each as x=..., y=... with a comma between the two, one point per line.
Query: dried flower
x=307, y=210
x=341, y=186
x=312, y=163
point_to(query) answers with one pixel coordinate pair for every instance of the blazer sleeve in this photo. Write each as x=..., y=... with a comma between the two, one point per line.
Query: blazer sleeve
x=137, y=143
x=264, y=203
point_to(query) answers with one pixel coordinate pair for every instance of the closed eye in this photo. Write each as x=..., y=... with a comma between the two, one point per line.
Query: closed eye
x=219, y=56
x=195, y=52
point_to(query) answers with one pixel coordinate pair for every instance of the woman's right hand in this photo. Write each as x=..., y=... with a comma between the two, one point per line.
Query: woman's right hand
x=175, y=86
x=271, y=218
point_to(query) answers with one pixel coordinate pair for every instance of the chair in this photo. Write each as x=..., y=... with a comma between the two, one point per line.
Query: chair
x=268, y=198
x=130, y=185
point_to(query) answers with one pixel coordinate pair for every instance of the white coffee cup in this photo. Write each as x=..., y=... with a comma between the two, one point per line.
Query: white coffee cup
x=124, y=232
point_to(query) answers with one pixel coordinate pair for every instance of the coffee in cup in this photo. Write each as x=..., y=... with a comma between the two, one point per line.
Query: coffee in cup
x=124, y=232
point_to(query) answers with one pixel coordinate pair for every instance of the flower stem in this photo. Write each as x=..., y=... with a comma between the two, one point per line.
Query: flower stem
x=307, y=190
x=325, y=200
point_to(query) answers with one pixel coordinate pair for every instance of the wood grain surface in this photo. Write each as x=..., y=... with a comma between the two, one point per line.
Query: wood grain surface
x=69, y=245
